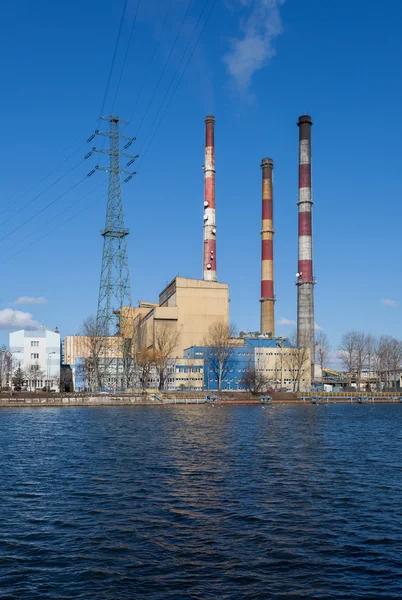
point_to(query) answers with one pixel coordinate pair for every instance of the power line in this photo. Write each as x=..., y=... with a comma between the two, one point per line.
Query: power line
x=41, y=193
x=68, y=208
x=126, y=55
x=43, y=209
x=181, y=76
x=165, y=65
x=147, y=71
x=76, y=151
x=42, y=180
x=177, y=70
x=150, y=141
x=54, y=229
x=114, y=58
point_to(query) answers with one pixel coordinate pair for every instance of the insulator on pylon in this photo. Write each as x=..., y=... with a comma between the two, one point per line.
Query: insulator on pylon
x=128, y=144
x=130, y=162
x=88, y=155
x=91, y=138
x=128, y=178
x=91, y=172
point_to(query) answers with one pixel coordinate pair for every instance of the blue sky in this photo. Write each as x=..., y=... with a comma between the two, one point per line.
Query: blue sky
x=259, y=65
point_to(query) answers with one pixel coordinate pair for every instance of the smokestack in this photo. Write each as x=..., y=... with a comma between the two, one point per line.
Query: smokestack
x=305, y=281
x=209, y=202
x=267, y=254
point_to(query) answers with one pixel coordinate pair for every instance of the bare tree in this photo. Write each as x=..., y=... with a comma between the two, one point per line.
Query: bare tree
x=97, y=355
x=395, y=360
x=5, y=366
x=347, y=353
x=297, y=360
x=254, y=380
x=279, y=368
x=34, y=375
x=384, y=360
x=145, y=362
x=361, y=355
x=371, y=353
x=322, y=351
x=166, y=338
x=220, y=349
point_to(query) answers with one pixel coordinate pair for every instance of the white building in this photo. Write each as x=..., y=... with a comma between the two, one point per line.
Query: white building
x=37, y=353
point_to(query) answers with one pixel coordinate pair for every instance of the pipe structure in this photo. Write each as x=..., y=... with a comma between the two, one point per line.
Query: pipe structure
x=209, y=202
x=267, y=323
x=305, y=280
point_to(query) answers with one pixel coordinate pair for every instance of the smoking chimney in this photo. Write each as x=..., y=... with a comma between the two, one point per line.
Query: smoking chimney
x=305, y=281
x=209, y=202
x=267, y=254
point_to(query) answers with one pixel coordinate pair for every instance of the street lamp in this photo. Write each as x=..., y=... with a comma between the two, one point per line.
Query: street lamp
x=48, y=370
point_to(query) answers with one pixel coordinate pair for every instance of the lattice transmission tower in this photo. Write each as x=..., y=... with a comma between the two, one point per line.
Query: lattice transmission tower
x=114, y=288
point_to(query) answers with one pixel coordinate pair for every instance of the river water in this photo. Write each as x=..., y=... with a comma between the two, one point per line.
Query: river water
x=200, y=502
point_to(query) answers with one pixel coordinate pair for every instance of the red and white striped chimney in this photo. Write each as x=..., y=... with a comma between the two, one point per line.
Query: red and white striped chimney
x=305, y=280
x=267, y=251
x=209, y=202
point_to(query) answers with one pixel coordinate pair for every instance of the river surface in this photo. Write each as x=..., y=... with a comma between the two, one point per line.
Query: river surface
x=200, y=502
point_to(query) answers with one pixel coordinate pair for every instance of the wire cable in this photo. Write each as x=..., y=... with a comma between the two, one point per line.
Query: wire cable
x=68, y=208
x=181, y=76
x=165, y=66
x=147, y=71
x=43, y=209
x=176, y=72
x=54, y=229
x=41, y=193
x=41, y=181
x=126, y=55
x=114, y=58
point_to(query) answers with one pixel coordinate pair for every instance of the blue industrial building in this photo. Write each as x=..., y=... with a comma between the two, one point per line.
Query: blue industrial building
x=242, y=359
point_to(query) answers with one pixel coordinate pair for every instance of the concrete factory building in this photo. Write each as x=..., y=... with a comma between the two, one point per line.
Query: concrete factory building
x=188, y=306
x=177, y=326
x=186, y=310
x=37, y=354
x=282, y=365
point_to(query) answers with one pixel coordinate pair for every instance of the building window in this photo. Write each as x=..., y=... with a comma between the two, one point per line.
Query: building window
x=34, y=344
x=34, y=355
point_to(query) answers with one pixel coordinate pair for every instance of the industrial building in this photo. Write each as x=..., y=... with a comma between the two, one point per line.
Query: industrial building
x=187, y=308
x=182, y=374
x=282, y=365
x=37, y=354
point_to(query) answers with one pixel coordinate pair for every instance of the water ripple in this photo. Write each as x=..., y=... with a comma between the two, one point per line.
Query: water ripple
x=187, y=503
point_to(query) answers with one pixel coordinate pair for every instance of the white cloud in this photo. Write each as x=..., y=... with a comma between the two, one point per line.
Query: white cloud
x=254, y=48
x=29, y=300
x=286, y=322
x=318, y=327
x=17, y=319
x=388, y=302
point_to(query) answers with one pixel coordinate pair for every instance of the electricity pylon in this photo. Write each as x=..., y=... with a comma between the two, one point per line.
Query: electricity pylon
x=114, y=288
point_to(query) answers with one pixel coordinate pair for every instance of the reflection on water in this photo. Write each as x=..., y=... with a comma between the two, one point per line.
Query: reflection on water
x=199, y=502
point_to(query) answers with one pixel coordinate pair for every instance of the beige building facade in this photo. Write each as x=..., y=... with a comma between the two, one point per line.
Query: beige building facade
x=188, y=306
x=285, y=367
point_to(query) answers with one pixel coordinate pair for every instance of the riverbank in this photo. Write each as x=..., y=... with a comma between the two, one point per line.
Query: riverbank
x=30, y=400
